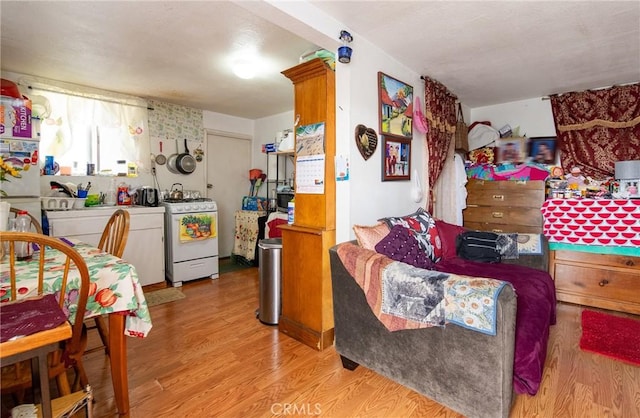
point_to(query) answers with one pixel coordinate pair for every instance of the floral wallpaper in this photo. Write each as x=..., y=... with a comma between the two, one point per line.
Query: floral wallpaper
x=170, y=121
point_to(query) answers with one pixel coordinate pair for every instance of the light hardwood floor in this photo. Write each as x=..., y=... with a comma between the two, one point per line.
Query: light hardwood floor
x=208, y=356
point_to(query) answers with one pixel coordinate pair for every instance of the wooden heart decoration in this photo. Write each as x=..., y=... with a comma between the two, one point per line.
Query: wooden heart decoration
x=366, y=140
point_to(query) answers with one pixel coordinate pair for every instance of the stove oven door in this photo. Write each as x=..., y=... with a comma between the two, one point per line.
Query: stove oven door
x=192, y=246
x=193, y=236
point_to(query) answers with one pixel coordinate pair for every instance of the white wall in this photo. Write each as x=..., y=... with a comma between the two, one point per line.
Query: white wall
x=533, y=116
x=368, y=197
x=265, y=133
x=226, y=123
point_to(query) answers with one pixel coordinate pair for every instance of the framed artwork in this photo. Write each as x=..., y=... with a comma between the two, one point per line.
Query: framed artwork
x=511, y=150
x=396, y=159
x=543, y=149
x=395, y=100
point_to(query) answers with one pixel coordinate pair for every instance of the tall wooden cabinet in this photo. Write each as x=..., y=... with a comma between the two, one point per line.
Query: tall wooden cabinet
x=307, y=304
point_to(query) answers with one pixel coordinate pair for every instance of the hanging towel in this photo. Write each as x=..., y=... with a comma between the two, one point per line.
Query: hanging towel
x=461, y=191
x=419, y=121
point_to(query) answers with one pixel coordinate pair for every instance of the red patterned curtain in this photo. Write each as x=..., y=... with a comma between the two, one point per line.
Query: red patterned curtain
x=596, y=128
x=440, y=111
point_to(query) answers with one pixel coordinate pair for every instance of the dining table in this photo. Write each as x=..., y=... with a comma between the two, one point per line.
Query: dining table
x=114, y=291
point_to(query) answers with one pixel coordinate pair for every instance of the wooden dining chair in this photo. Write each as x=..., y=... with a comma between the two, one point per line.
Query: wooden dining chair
x=113, y=240
x=71, y=294
x=35, y=224
x=115, y=234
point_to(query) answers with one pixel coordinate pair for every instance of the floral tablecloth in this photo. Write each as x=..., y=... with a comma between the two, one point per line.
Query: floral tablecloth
x=114, y=285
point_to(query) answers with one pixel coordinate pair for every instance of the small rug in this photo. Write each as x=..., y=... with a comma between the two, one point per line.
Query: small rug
x=158, y=297
x=612, y=336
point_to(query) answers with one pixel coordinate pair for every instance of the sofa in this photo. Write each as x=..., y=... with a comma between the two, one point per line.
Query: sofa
x=467, y=371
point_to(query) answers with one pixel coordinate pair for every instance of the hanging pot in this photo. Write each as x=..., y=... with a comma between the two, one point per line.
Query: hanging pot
x=171, y=161
x=185, y=162
x=160, y=158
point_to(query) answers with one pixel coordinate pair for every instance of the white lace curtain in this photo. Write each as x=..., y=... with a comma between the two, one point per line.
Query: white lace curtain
x=81, y=126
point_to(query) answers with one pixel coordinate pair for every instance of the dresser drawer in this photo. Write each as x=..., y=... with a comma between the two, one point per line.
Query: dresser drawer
x=610, y=260
x=505, y=193
x=524, y=186
x=597, y=283
x=504, y=216
x=502, y=228
x=499, y=199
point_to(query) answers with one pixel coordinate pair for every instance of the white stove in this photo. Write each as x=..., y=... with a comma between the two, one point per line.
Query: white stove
x=191, y=241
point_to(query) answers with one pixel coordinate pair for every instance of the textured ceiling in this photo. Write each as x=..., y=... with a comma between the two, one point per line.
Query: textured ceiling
x=489, y=52
x=178, y=52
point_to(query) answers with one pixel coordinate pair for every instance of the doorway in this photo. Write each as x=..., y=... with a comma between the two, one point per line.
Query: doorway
x=228, y=165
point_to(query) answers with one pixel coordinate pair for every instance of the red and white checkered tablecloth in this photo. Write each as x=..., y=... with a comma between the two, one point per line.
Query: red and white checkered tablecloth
x=614, y=222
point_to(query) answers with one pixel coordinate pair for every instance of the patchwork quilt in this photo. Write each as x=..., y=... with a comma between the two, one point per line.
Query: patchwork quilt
x=406, y=297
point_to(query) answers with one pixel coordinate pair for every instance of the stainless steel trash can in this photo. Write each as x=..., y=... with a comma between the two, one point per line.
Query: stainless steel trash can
x=270, y=266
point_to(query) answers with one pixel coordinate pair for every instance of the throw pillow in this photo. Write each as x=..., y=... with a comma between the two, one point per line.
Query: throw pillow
x=424, y=228
x=369, y=236
x=530, y=244
x=507, y=244
x=401, y=245
x=448, y=234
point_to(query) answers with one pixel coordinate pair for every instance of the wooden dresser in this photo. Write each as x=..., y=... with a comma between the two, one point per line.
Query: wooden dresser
x=307, y=301
x=504, y=206
x=600, y=280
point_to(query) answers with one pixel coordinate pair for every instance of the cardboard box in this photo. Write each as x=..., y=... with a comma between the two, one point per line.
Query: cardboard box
x=266, y=148
x=254, y=203
x=15, y=118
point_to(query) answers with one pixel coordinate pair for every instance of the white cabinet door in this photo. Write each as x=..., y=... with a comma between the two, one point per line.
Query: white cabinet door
x=145, y=248
x=145, y=245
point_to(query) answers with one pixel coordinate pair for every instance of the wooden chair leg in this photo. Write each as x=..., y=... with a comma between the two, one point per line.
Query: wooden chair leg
x=57, y=370
x=81, y=380
x=103, y=330
x=63, y=384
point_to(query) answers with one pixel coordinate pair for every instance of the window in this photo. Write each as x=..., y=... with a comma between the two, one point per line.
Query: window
x=80, y=130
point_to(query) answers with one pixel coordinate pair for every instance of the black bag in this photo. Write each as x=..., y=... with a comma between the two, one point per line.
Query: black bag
x=478, y=246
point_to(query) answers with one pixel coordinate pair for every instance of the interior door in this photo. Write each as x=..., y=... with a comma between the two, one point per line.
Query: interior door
x=228, y=165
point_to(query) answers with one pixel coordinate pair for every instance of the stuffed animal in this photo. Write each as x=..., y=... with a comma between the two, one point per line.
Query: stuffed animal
x=575, y=178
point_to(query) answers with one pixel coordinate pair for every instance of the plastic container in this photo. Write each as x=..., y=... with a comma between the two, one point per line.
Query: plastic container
x=124, y=198
x=79, y=203
x=111, y=195
x=23, y=224
x=291, y=211
x=5, y=209
x=49, y=165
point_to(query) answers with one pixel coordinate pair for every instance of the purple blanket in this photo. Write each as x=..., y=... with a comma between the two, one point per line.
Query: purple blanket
x=536, y=312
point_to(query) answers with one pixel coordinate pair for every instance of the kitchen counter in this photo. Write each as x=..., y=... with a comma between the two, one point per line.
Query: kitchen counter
x=145, y=244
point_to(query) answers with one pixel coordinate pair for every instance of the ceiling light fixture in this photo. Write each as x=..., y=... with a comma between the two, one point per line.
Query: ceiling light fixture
x=244, y=68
